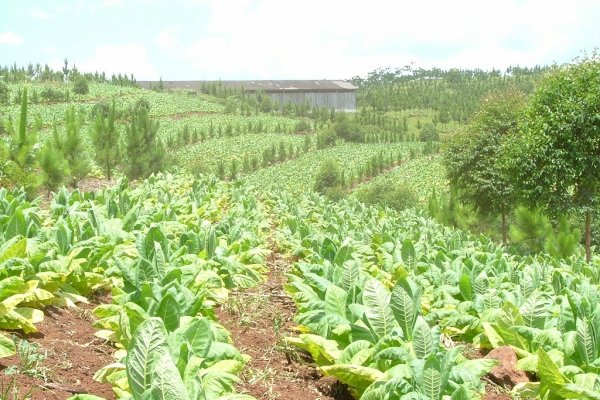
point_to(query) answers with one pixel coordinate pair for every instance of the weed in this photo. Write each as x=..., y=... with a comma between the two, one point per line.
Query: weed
x=11, y=391
x=31, y=358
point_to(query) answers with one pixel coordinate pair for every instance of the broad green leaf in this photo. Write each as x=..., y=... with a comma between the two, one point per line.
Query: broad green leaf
x=402, y=305
x=17, y=226
x=432, y=378
x=335, y=301
x=376, y=299
x=149, y=340
x=357, y=377
x=13, y=248
x=422, y=339
x=7, y=346
x=166, y=382
x=551, y=380
x=198, y=336
x=168, y=311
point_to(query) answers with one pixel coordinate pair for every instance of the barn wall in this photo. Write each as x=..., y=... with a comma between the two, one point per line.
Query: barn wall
x=336, y=100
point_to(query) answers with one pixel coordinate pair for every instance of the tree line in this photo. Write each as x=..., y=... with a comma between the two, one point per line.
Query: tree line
x=540, y=151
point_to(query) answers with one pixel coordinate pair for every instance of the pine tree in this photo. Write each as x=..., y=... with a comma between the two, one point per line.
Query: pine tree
x=71, y=145
x=55, y=168
x=105, y=138
x=144, y=152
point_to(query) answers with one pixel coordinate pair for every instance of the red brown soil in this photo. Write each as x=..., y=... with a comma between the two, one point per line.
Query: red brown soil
x=74, y=355
x=275, y=371
x=505, y=373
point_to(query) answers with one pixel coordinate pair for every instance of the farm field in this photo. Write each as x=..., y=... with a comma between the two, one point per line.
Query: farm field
x=216, y=247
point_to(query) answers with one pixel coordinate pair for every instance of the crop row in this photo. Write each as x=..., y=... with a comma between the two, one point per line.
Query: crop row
x=387, y=302
x=168, y=249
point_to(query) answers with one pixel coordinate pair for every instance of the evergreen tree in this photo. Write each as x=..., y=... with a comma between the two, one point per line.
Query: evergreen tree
x=106, y=138
x=144, y=152
x=55, y=168
x=71, y=145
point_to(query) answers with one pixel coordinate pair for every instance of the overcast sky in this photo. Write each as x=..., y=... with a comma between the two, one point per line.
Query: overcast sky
x=298, y=39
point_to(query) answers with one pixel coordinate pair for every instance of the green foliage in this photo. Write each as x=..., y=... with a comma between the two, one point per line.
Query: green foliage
x=19, y=167
x=564, y=241
x=396, y=195
x=555, y=162
x=4, y=93
x=106, y=140
x=429, y=133
x=472, y=158
x=328, y=177
x=81, y=86
x=54, y=166
x=326, y=138
x=529, y=230
x=347, y=129
x=144, y=151
x=71, y=145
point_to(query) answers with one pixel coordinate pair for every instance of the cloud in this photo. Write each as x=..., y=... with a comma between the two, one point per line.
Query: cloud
x=121, y=59
x=40, y=14
x=10, y=38
x=113, y=3
x=334, y=38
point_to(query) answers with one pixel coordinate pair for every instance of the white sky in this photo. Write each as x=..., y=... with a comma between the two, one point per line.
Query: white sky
x=270, y=39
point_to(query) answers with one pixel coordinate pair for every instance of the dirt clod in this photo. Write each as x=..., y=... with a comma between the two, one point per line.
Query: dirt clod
x=506, y=373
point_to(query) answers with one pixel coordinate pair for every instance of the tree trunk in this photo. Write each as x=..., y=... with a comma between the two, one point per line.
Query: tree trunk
x=588, y=236
x=504, y=230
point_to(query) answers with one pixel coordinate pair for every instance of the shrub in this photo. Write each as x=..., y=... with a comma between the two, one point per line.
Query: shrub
x=53, y=95
x=388, y=193
x=529, y=230
x=348, y=130
x=429, y=133
x=302, y=126
x=328, y=177
x=4, y=93
x=81, y=86
x=326, y=138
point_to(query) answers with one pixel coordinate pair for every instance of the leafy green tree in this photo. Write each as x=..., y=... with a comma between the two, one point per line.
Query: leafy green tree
x=106, y=139
x=472, y=161
x=555, y=162
x=144, y=152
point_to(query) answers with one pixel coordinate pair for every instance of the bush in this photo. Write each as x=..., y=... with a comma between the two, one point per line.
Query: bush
x=429, y=133
x=81, y=86
x=326, y=138
x=302, y=126
x=388, y=193
x=51, y=94
x=328, y=177
x=4, y=93
x=348, y=130
x=529, y=230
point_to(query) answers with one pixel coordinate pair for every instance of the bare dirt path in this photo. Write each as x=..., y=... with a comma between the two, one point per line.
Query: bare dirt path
x=70, y=356
x=258, y=320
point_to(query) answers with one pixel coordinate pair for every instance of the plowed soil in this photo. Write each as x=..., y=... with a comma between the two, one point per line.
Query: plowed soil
x=258, y=320
x=73, y=355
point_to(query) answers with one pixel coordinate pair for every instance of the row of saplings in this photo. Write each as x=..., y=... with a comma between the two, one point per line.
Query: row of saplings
x=64, y=156
x=333, y=182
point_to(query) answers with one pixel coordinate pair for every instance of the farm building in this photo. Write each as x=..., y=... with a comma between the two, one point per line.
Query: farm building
x=336, y=94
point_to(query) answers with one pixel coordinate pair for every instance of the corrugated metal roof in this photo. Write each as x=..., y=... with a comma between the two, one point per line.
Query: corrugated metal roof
x=264, y=85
